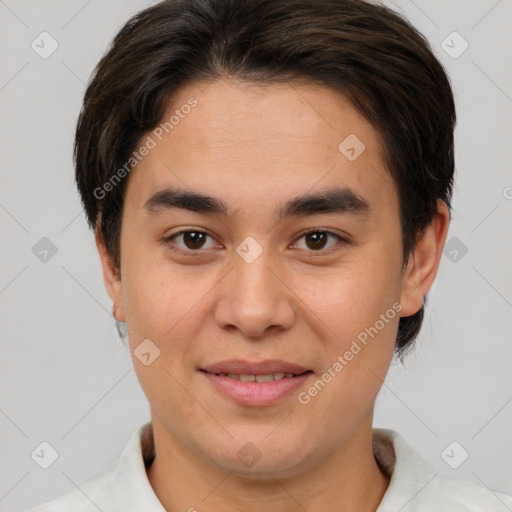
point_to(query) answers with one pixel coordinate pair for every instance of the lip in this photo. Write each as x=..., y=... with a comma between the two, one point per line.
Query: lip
x=255, y=368
x=256, y=394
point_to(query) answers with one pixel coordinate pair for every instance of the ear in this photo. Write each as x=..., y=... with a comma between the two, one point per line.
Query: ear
x=111, y=276
x=424, y=262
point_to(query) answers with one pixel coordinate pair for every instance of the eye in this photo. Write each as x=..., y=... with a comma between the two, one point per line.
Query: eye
x=318, y=240
x=191, y=240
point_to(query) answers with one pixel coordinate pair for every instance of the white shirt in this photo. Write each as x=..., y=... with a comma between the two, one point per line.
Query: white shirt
x=415, y=485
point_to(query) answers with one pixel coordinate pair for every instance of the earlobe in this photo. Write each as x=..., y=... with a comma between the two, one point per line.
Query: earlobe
x=424, y=262
x=111, y=277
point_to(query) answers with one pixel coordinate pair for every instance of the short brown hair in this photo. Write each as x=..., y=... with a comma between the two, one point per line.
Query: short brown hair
x=364, y=50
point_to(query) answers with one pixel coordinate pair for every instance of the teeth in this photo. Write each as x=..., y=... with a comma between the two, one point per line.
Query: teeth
x=265, y=378
x=268, y=377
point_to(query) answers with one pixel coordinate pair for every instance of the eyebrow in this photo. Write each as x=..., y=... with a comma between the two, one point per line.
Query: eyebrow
x=334, y=200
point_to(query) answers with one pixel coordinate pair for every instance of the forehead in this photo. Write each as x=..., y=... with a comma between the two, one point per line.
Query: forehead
x=243, y=142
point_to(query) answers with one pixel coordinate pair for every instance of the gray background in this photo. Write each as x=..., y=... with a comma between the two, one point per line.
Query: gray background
x=65, y=377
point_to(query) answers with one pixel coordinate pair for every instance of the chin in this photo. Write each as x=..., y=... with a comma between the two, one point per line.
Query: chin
x=256, y=457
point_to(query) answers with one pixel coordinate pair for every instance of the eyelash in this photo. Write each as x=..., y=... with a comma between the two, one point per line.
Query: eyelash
x=199, y=252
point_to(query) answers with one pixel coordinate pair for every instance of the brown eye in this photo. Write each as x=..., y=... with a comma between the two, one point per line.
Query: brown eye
x=318, y=241
x=194, y=239
x=191, y=241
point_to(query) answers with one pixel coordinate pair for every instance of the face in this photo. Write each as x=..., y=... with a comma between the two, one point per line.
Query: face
x=289, y=273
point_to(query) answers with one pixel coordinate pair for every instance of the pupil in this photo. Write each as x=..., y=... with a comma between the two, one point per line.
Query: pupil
x=194, y=239
x=318, y=239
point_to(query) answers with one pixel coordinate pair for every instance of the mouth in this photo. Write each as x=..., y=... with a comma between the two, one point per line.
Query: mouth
x=265, y=377
x=265, y=367
x=256, y=384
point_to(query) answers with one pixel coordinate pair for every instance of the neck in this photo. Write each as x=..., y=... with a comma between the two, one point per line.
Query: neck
x=349, y=476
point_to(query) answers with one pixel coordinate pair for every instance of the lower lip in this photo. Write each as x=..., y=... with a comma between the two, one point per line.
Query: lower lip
x=256, y=394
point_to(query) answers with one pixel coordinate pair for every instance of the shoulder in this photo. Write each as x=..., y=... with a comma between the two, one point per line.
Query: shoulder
x=417, y=486
x=123, y=485
x=82, y=499
x=467, y=496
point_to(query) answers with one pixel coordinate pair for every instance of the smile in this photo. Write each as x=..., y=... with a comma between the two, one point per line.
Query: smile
x=262, y=388
x=267, y=377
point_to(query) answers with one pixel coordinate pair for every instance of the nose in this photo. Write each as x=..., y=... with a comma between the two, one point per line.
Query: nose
x=254, y=300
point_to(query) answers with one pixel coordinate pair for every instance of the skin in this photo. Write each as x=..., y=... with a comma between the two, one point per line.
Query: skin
x=255, y=147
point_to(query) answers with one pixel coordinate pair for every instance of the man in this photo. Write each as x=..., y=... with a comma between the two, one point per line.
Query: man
x=269, y=182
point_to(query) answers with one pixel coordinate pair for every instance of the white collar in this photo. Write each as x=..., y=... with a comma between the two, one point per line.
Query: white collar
x=415, y=485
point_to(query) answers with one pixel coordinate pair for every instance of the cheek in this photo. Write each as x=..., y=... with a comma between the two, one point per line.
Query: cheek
x=349, y=298
x=148, y=288
x=165, y=303
x=356, y=319
x=356, y=312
